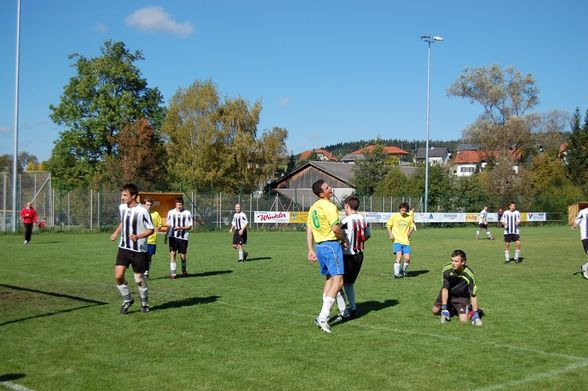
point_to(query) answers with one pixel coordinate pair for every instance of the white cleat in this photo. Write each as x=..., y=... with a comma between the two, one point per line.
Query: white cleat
x=323, y=324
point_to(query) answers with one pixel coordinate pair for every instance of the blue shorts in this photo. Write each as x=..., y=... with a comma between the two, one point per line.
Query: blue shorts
x=400, y=248
x=330, y=257
x=151, y=249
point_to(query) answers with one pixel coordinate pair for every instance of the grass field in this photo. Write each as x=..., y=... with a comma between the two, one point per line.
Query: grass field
x=249, y=326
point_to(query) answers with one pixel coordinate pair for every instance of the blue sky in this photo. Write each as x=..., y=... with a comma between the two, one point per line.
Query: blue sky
x=327, y=71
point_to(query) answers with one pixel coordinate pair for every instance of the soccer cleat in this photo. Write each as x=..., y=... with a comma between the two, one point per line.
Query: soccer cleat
x=584, y=269
x=477, y=322
x=404, y=274
x=184, y=273
x=506, y=261
x=444, y=319
x=26, y=242
x=125, y=307
x=491, y=238
x=398, y=276
x=145, y=308
x=173, y=277
x=477, y=237
x=517, y=260
x=323, y=325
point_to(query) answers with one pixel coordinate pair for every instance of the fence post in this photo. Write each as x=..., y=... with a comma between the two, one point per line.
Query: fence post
x=91, y=208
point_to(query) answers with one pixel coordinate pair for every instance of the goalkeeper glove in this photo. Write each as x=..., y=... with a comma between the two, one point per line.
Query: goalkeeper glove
x=476, y=321
x=444, y=313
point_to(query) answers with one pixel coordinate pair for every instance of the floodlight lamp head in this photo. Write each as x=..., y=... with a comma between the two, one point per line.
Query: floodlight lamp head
x=437, y=38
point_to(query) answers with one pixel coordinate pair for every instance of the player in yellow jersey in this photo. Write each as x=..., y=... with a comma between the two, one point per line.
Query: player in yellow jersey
x=400, y=227
x=324, y=229
x=151, y=239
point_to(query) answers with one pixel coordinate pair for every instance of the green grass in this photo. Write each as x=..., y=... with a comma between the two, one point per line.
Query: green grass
x=250, y=326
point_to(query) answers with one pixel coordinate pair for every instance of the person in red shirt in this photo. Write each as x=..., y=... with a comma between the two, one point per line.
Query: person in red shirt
x=28, y=215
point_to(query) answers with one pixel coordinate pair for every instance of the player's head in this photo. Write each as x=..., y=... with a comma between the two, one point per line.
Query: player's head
x=131, y=188
x=512, y=206
x=29, y=205
x=128, y=193
x=179, y=203
x=238, y=207
x=405, y=206
x=352, y=202
x=458, y=259
x=322, y=189
x=485, y=207
x=148, y=202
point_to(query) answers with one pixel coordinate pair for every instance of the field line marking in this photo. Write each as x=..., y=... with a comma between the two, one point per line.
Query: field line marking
x=537, y=376
x=570, y=357
x=14, y=386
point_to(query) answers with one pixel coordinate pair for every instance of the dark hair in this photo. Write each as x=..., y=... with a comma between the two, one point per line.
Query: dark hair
x=317, y=187
x=461, y=253
x=404, y=205
x=352, y=201
x=180, y=199
x=148, y=199
x=131, y=188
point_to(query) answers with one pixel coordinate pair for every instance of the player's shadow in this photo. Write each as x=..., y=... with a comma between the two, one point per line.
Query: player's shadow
x=193, y=275
x=257, y=259
x=368, y=306
x=90, y=303
x=185, y=302
x=11, y=376
x=416, y=273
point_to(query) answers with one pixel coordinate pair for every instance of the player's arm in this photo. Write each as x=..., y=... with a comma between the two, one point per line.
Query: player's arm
x=116, y=232
x=367, y=232
x=310, y=244
x=339, y=234
x=390, y=234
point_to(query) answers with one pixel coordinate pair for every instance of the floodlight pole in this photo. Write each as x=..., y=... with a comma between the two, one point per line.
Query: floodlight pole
x=16, y=91
x=429, y=39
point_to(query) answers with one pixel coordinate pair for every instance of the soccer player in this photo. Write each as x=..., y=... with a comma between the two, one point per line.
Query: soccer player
x=511, y=219
x=582, y=221
x=400, y=227
x=324, y=229
x=483, y=224
x=357, y=232
x=458, y=291
x=239, y=225
x=179, y=223
x=134, y=228
x=28, y=214
x=152, y=239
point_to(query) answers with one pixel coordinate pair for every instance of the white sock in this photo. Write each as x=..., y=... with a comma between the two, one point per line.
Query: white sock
x=240, y=255
x=507, y=255
x=341, y=304
x=143, y=290
x=396, y=268
x=124, y=291
x=327, y=305
x=517, y=254
x=478, y=233
x=405, y=266
x=172, y=268
x=488, y=234
x=350, y=292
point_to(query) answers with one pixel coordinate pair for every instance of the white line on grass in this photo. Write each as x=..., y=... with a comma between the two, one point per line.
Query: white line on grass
x=14, y=386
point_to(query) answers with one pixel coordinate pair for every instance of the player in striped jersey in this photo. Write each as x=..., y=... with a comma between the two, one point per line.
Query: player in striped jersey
x=239, y=225
x=134, y=228
x=458, y=292
x=179, y=223
x=483, y=224
x=357, y=232
x=510, y=221
x=582, y=222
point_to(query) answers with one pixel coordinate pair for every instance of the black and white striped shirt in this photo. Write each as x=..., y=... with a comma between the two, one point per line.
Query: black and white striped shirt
x=239, y=221
x=175, y=219
x=134, y=221
x=511, y=221
x=582, y=221
x=357, y=232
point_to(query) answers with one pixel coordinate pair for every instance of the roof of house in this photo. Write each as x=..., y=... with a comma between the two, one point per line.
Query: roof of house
x=306, y=154
x=391, y=150
x=433, y=152
x=474, y=157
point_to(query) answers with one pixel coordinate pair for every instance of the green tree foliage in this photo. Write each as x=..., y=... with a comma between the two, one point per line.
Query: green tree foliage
x=213, y=144
x=395, y=183
x=106, y=94
x=370, y=170
x=577, y=154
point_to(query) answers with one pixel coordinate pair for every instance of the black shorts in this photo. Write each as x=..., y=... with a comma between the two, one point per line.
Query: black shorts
x=511, y=238
x=457, y=305
x=585, y=244
x=239, y=239
x=352, y=267
x=178, y=245
x=137, y=259
x=483, y=226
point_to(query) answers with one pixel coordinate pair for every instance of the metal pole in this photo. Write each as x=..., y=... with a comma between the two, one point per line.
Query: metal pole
x=16, y=91
x=427, y=133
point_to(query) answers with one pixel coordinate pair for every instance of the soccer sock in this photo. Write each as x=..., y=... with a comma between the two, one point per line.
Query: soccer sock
x=172, y=268
x=517, y=254
x=350, y=292
x=125, y=292
x=183, y=265
x=507, y=255
x=405, y=266
x=240, y=255
x=327, y=305
x=488, y=234
x=341, y=304
x=143, y=290
x=478, y=233
x=396, y=268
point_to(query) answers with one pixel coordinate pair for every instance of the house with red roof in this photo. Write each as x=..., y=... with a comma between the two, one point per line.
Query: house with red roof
x=360, y=153
x=468, y=162
x=321, y=154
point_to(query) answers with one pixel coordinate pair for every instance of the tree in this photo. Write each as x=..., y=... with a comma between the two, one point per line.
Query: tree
x=370, y=170
x=23, y=161
x=213, y=144
x=107, y=94
x=577, y=154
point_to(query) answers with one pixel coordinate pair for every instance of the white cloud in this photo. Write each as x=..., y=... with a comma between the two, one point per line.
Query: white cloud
x=156, y=20
x=284, y=102
x=100, y=28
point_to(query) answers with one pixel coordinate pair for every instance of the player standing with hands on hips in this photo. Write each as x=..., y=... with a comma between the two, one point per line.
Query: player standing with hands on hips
x=510, y=221
x=323, y=228
x=239, y=225
x=134, y=228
